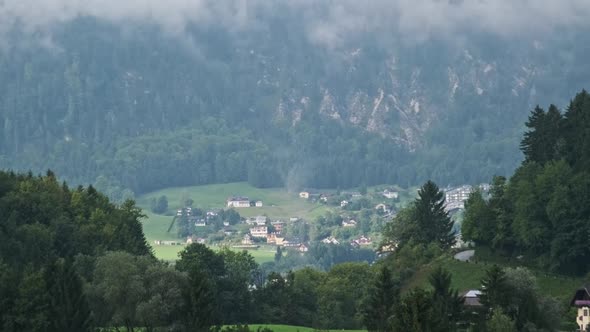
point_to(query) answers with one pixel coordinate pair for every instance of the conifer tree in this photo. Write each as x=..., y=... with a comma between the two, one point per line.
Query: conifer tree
x=494, y=288
x=446, y=302
x=379, y=306
x=432, y=221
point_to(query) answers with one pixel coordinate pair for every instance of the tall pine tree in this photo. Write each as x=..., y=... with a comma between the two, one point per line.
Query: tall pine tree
x=432, y=221
x=379, y=306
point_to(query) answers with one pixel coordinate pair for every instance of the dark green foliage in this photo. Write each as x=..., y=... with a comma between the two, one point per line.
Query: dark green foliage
x=69, y=308
x=543, y=212
x=424, y=222
x=540, y=143
x=159, y=205
x=43, y=225
x=135, y=106
x=379, y=307
x=479, y=220
x=433, y=222
x=514, y=293
x=494, y=288
x=415, y=312
x=447, y=305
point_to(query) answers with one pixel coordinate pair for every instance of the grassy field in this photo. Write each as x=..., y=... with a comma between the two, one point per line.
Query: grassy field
x=278, y=203
x=290, y=328
x=170, y=253
x=468, y=276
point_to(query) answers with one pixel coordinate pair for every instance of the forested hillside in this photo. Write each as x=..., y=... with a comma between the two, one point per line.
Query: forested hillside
x=541, y=214
x=270, y=100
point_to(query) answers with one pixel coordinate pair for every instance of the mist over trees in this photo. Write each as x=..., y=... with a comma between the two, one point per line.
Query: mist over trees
x=132, y=109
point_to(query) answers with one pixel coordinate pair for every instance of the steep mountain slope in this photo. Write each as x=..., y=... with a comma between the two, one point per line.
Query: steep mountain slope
x=267, y=102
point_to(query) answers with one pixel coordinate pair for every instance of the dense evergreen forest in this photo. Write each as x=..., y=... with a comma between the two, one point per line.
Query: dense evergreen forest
x=72, y=261
x=541, y=214
x=131, y=108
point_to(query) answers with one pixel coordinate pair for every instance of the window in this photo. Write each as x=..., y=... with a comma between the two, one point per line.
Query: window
x=585, y=312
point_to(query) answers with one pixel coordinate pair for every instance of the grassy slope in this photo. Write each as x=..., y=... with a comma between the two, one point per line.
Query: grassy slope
x=278, y=204
x=290, y=328
x=468, y=276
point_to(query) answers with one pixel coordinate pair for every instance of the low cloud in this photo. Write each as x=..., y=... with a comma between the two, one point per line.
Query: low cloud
x=329, y=23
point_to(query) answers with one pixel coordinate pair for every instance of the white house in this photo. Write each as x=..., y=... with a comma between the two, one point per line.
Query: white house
x=382, y=207
x=330, y=240
x=258, y=204
x=259, y=231
x=349, y=223
x=390, y=194
x=304, y=194
x=343, y=203
x=238, y=202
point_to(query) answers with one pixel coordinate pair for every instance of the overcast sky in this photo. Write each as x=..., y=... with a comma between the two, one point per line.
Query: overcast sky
x=328, y=22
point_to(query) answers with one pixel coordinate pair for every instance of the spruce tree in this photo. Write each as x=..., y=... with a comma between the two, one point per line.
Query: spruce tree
x=379, y=307
x=494, y=288
x=446, y=302
x=432, y=221
x=531, y=144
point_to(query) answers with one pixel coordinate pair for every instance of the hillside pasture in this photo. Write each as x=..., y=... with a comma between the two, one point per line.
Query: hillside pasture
x=278, y=203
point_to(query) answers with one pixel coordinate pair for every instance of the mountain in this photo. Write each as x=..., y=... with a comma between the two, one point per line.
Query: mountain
x=273, y=97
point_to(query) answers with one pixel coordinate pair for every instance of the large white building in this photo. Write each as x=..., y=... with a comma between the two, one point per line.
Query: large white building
x=455, y=198
x=259, y=231
x=238, y=202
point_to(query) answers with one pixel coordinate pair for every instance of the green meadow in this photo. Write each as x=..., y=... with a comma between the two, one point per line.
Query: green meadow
x=468, y=275
x=291, y=328
x=278, y=204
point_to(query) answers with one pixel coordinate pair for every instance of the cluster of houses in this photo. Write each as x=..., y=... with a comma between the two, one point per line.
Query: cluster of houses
x=456, y=197
x=360, y=241
x=242, y=202
x=198, y=221
x=263, y=232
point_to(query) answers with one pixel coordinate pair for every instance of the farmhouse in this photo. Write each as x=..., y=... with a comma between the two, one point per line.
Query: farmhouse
x=258, y=204
x=292, y=242
x=274, y=238
x=304, y=194
x=581, y=300
x=259, y=231
x=278, y=226
x=238, y=202
x=303, y=248
x=349, y=223
x=472, y=298
x=382, y=208
x=390, y=194
x=258, y=221
x=363, y=241
x=330, y=240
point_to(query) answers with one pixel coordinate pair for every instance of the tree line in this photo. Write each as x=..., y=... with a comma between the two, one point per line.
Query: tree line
x=542, y=212
x=72, y=261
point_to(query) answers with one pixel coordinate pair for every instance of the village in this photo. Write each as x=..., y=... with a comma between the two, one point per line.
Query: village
x=355, y=219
